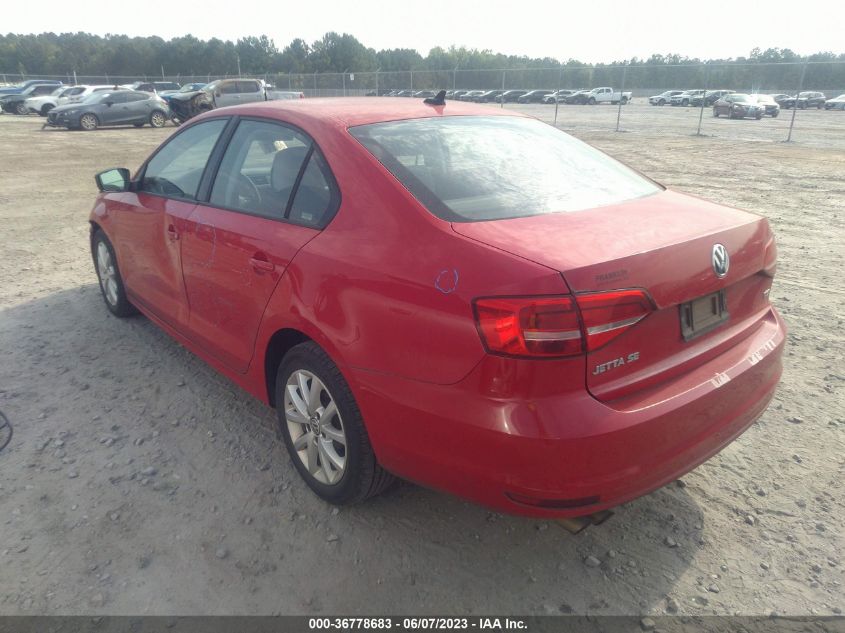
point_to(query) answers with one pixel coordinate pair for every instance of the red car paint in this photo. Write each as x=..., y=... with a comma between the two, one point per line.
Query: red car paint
x=387, y=290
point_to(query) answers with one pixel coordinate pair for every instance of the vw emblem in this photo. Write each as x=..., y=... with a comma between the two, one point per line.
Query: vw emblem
x=721, y=260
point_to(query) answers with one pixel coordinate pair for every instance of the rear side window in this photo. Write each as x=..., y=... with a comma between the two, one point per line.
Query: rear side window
x=468, y=168
x=137, y=97
x=260, y=168
x=176, y=170
x=314, y=195
x=274, y=171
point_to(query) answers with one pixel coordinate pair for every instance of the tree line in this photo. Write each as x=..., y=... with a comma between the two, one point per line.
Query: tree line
x=122, y=56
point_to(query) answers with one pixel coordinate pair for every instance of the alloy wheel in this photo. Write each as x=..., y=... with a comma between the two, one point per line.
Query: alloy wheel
x=88, y=122
x=157, y=119
x=107, y=274
x=315, y=427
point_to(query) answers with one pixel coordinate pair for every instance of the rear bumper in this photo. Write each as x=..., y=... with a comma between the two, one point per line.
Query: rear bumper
x=582, y=454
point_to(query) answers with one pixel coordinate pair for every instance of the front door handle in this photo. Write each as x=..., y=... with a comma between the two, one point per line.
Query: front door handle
x=260, y=263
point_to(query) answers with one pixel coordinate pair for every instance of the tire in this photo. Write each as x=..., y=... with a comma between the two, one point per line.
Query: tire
x=45, y=109
x=360, y=475
x=624, y=100
x=758, y=116
x=775, y=114
x=661, y=102
x=108, y=275
x=89, y=122
x=158, y=119
x=685, y=102
x=819, y=106
x=20, y=108
x=715, y=113
x=591, y=101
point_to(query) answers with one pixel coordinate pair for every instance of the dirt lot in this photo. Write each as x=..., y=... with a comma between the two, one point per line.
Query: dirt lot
x=139, y=481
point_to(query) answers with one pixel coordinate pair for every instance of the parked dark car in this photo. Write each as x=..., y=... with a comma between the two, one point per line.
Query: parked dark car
x=710, y=97
x=771, y=108
x=15, y=102
x=811, y=100
x=19, y=88
x=738, y=106
x=534, y=96
x=121, y=107
x=469, y=95
x=784, y=101
x=422, y=94
x=510, y=96
x=487, y=96
x=579, y=97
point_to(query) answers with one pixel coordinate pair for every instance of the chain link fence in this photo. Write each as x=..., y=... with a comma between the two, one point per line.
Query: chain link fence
x=634, y=113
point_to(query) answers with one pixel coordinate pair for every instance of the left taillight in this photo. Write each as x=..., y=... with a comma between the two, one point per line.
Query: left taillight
x=534, y=327
x=553, y=327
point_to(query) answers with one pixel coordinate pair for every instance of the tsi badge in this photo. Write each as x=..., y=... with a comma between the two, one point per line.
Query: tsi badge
x=616, y=362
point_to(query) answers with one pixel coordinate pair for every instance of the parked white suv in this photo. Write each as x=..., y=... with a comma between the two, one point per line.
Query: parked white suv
x=61, y=96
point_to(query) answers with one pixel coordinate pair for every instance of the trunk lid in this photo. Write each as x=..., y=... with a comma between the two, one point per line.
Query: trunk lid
x=663, y=244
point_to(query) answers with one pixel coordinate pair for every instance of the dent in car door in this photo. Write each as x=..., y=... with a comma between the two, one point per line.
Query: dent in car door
x=239, y=244
x=231, y=264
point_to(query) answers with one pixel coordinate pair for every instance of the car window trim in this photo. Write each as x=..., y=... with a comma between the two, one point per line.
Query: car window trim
x=142, y=172
x=328, y=174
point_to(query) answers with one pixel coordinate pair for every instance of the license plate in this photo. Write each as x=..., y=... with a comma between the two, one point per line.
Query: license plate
x=703, y=314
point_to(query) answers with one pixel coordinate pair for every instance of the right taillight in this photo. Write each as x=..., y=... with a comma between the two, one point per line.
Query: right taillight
x=550, y=327
x=606, y=315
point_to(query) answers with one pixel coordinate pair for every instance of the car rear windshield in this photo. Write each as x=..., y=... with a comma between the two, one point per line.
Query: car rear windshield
x=475, y=168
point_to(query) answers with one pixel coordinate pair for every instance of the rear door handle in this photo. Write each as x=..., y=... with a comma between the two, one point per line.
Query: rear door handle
x=260, y=263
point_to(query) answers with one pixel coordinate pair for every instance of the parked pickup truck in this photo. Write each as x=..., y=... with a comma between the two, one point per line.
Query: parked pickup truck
x=221, y=93
x=607, y=95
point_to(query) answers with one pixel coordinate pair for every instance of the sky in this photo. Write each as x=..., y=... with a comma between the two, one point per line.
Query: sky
x=592, y=31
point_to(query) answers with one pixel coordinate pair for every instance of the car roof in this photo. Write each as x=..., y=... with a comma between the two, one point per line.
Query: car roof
x=344, y=112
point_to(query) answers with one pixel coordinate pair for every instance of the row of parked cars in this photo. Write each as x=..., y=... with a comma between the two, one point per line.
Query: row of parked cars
x=804, y=100
x=604, y=94
x=88, y=107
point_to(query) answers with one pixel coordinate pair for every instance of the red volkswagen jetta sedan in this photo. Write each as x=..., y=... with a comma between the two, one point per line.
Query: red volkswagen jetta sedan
x=457, y=295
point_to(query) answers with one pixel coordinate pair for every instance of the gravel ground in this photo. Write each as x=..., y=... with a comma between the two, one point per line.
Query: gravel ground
x=139, y=481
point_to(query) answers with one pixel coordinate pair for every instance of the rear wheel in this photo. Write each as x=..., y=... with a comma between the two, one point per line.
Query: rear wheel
x=158, y=119
x=715, y=113
x=624, y=100
x=685, y=102
x=88, y=122
x=591, y=101
x=323, y=428
x=20, y=108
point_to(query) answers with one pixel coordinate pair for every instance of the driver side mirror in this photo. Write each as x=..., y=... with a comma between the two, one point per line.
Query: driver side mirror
x=113, y=180
x=109, y=103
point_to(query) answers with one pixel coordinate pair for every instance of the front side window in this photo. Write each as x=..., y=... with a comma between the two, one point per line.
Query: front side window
x=176, y=170
x=474, y=168
x=274, y=171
